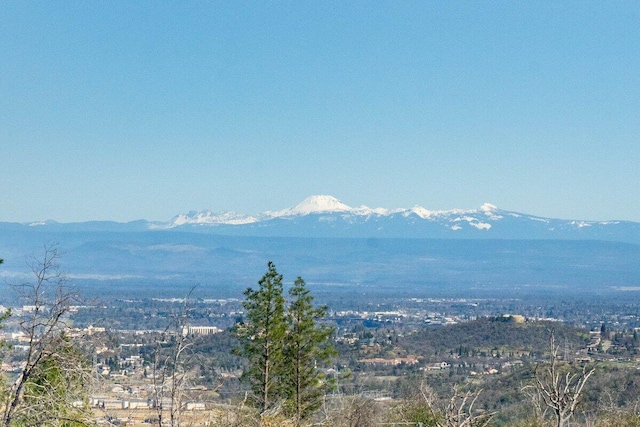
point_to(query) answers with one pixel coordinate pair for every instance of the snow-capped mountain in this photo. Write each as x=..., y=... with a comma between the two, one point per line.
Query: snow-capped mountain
x=351, y=244
x=321, y=204
x=326, y=216
x=313, y=205
x=209, y=218
x=324, y=204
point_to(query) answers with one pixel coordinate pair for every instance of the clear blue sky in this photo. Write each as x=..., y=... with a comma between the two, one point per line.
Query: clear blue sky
x=127, y=110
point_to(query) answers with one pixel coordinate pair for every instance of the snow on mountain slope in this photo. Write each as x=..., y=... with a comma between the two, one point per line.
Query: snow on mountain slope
x=326, y=205
x=325, y=215
x=209, y=218
x=319, y=204
x=311, y=205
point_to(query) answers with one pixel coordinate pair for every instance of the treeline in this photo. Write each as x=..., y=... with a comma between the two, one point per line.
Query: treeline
x=492, y=335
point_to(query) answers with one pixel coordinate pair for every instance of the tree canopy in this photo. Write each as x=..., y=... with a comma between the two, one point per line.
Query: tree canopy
x=285, y=346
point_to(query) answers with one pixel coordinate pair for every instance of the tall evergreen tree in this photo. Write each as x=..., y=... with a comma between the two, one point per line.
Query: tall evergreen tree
x=262, y=337
x=306, y=346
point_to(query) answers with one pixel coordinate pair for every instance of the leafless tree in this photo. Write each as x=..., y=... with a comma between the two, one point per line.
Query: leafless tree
x=560, y=384
x=540, y=409
x=458, y=411
x=53, y=372
x=171, y=369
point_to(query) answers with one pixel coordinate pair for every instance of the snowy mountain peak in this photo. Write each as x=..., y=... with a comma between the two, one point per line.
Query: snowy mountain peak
x=325, y=204
x=315, y=204
x=488, y=207
x=422, y=212
x=490, y=211
x=207, y=217
x=326, y=216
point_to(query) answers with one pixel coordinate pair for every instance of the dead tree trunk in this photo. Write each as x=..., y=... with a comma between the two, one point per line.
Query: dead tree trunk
x=560, y=385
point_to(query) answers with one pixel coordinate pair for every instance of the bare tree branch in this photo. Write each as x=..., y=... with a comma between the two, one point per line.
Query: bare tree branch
x=560, y=385
x=53, y=373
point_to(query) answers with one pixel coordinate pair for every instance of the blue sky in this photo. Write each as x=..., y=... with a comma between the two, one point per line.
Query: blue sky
x=129, y=110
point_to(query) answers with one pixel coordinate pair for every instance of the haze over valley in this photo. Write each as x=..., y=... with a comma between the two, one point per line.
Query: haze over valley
x=478, y=252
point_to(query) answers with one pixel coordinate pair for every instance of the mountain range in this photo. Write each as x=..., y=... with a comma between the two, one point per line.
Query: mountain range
x=417, y=251
x=326, y=216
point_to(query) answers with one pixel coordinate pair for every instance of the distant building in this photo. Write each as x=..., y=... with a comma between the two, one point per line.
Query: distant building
x=111, y=404
x=438, y=366
x=200, y=330
x=409, y=360
x=194, y=406
x=136, y=404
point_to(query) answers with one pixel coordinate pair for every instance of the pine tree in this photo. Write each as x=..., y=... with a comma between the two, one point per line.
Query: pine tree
x=306, y=346
x=262, y=337
x=52, y=393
